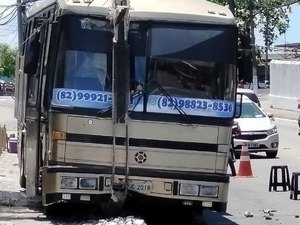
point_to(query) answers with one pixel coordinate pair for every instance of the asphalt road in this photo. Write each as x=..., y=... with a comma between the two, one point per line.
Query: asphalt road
x=252, y=194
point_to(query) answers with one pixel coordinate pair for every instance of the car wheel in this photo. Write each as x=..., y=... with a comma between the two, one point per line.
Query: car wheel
x=271, y=154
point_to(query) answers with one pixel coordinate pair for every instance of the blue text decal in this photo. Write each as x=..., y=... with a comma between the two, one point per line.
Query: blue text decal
x=81, y=98
x=191, y=106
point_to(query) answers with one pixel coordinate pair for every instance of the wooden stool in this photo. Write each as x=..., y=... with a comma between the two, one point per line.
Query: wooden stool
x=285, y=178
x=295, y=186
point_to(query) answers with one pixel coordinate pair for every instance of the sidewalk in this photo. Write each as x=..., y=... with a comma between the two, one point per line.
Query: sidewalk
x=278, y=113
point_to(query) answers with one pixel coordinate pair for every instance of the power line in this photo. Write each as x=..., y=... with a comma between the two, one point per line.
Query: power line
x=13, y=16
x=16, y=34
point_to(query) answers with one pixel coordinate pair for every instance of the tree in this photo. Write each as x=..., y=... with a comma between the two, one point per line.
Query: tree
x=270, y=17
x=7, y=60
x=274, y=13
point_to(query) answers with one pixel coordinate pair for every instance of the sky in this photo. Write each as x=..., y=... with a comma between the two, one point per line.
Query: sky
x=293, y=33
x=8, y=33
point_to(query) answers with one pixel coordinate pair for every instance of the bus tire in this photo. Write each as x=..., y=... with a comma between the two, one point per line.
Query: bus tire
x=220, y=206
x=22, y=179
x=51, y=210
x=191, y=216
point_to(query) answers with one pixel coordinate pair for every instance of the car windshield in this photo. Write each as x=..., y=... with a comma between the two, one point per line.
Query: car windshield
x=251, y=110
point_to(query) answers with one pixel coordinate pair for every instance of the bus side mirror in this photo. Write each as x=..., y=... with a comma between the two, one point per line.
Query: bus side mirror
x=32, y=55
x=245, y=58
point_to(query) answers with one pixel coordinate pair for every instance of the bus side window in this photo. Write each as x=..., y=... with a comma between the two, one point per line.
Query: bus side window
x=32, y=89
x=32, y=55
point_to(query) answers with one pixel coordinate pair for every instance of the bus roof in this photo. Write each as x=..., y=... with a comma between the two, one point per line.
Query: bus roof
x=195, y=11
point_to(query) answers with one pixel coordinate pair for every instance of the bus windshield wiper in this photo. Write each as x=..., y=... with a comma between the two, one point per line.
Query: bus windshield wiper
x=136, y=94
x=174, y=103
x=104, y=110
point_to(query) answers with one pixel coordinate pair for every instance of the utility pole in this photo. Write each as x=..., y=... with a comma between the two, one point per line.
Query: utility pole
x=267, y=49
x=232, y=6
x=20, y=30
x=254, y=70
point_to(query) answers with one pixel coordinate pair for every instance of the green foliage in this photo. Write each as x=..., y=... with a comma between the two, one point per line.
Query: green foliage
x=270, y=16
x=7, y=60
x=273, y=18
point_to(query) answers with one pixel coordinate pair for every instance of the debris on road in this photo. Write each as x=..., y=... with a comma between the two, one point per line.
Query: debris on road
x=129, y=220
x=248, y=214
x=268, y=217
x=269, y=211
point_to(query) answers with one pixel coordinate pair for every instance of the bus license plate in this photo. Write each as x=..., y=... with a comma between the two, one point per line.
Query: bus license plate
x=140, y=186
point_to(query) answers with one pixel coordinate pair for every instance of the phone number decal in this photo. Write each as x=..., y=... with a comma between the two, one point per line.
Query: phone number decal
x=218, y=106
x=88, y=96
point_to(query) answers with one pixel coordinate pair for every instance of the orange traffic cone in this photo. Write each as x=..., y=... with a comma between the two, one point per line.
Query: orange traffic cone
x=245, y=165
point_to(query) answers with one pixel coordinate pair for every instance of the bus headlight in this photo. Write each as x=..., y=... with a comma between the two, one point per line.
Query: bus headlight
x=88, y=183
x=68, y=182
x=189, y=189
x=209, y=191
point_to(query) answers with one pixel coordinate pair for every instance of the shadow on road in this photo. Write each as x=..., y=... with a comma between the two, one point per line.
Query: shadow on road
x=215, y=218
x=17, y=199
x=17, y=215
x=87, y=214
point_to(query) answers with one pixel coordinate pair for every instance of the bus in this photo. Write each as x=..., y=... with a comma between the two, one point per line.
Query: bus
x=126, y=100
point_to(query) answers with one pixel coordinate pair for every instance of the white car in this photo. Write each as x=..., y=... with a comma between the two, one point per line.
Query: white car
x=250, y=94
x=258, y=130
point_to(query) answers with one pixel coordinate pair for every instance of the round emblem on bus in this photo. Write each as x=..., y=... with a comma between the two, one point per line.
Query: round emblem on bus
x=90, y=122
x=140, y=157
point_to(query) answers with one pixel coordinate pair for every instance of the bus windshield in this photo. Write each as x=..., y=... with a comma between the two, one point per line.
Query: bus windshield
x=192, y=68
x=186, y=66
x=83, y=64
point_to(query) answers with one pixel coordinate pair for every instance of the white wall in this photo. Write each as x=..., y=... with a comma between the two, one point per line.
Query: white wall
x=284, y=84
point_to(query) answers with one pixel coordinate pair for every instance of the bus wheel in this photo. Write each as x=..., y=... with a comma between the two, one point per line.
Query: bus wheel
x=22, y=180
x=191, y=216
x=110, y=209
x=220, y=206
x=51, y=210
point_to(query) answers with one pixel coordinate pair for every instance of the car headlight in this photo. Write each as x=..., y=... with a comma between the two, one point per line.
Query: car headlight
x=209, y=191
x=88, y=183
x=68, y=182
x=189, y=189
x=272, y=131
